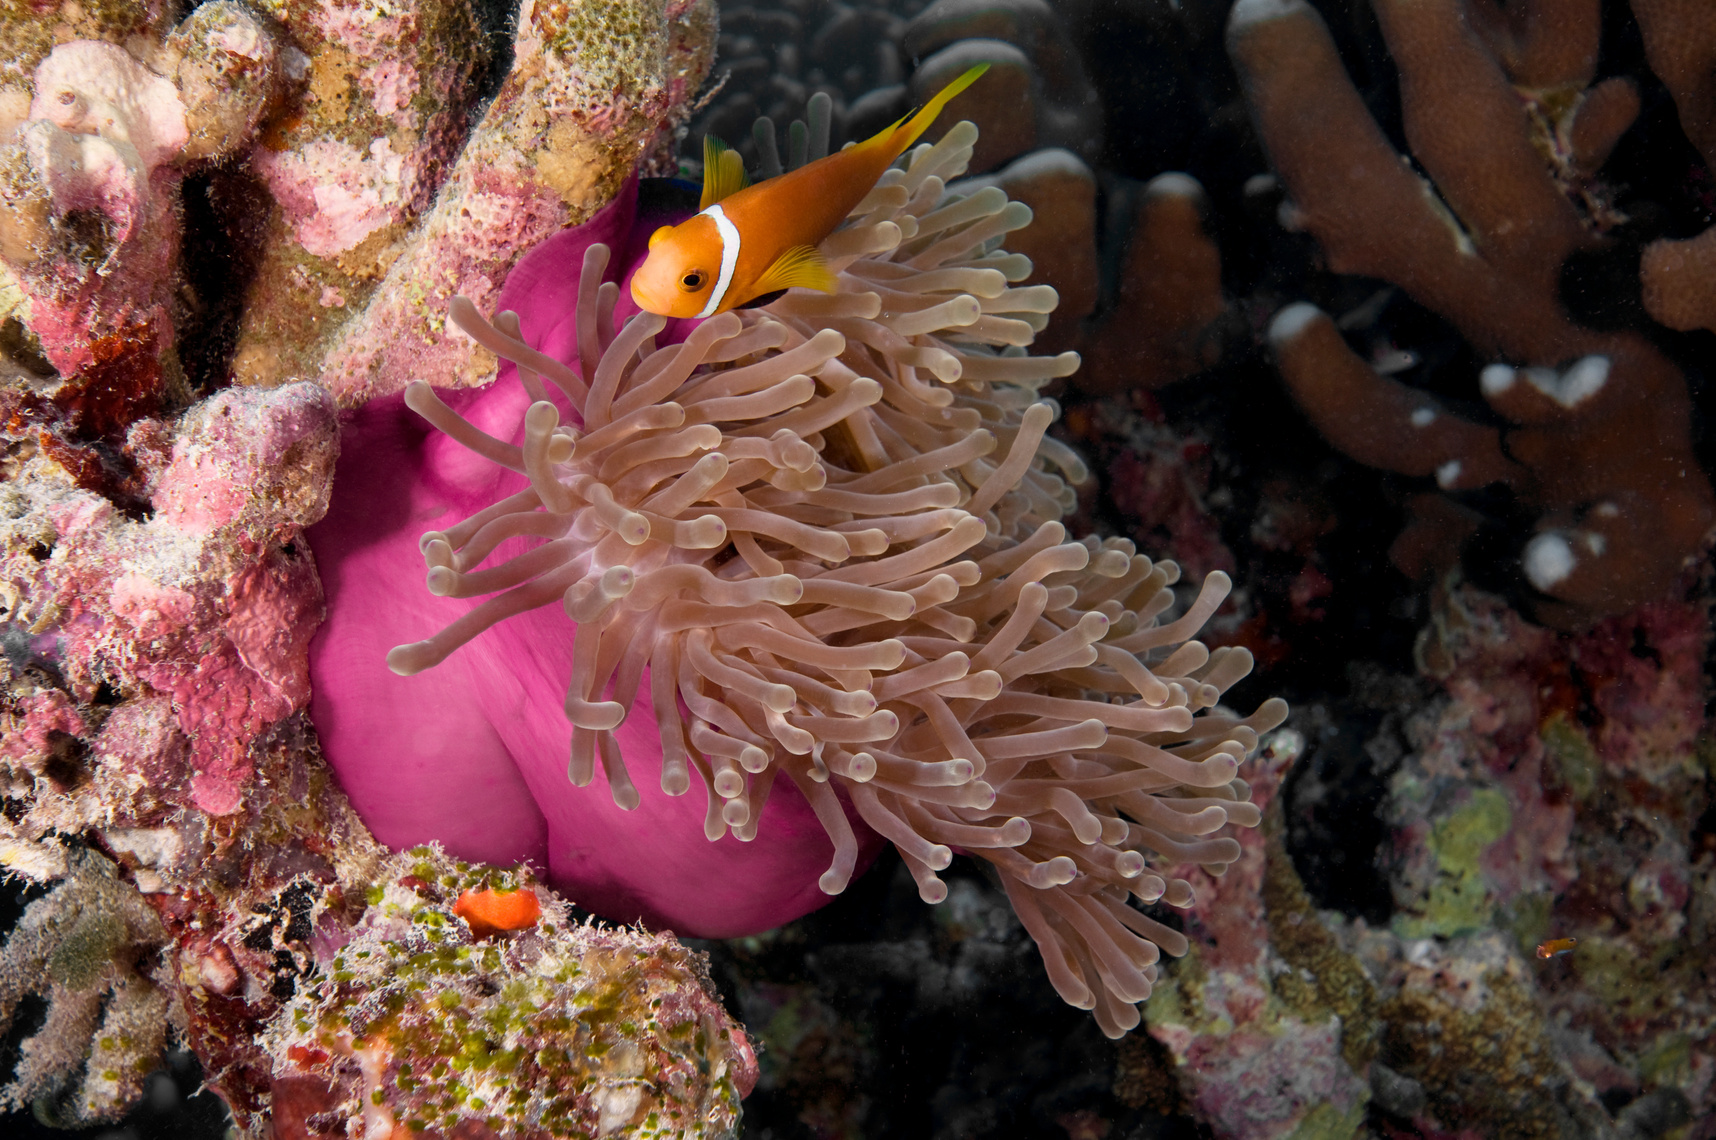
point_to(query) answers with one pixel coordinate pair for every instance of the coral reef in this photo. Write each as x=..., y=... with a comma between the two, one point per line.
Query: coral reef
x=90, y=231
x=106, y=1021
x=1680, y=42
x=294, y=191
x=592, y=90
x=1264, y=1045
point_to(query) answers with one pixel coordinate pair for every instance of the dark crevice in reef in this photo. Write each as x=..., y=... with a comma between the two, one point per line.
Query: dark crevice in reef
x=944, y=1012
x=225, y=212
x=1334, y=794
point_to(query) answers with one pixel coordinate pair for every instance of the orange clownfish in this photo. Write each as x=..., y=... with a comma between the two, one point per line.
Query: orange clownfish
x=748, y=241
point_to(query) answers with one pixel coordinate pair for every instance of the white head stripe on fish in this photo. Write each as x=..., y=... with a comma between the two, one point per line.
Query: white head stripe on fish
x=729, y=257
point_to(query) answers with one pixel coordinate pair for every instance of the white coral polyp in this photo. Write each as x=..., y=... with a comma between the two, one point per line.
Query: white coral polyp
x=829, y=528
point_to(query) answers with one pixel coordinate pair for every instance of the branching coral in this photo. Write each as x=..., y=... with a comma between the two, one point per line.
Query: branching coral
x=592, y=89
x=1597, y=443
x=823, y=538
x=106, y=1021
x=1680, y=41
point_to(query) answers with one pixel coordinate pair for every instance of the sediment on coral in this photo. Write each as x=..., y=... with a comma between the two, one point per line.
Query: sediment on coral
x=828, y=531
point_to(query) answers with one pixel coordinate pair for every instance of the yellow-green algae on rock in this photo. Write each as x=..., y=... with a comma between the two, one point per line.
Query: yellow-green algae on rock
x=564, y=1027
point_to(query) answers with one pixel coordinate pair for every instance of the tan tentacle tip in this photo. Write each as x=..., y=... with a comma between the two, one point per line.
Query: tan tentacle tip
x=437, y=551
x=465, y=315
x=441, y=581
x=409, y=660
x=1269, y=715
x=419, y=396
x=1057, y=872
x=597, y=715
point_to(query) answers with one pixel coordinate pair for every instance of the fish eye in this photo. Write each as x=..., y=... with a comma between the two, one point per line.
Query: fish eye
x=692, y=281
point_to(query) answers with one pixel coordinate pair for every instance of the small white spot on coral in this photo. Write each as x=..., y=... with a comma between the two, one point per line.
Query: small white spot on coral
x=1594, y=542
x=1260, y=184
x=1291, y=321
x=1174, y=185
x=296, y=63
x=1423, y=417
x=1606, y=511
x=1248, y=12
x=241, y=38
x=1448, y=474
x=1496, y=379
x=1583, y=380
x=1548, y=560
x=1545, y=380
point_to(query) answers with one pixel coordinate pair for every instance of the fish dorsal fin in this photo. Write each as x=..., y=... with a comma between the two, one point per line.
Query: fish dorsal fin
x=723, y=172
x=800, y=267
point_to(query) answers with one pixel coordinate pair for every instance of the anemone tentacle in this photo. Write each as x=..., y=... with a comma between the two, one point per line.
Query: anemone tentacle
x=823, y=539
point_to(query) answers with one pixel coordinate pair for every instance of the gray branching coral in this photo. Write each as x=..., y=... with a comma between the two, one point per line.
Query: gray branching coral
x=106, y=1022
x=830, y=530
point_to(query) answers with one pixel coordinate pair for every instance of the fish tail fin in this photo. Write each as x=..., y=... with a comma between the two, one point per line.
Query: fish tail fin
x=907, y=131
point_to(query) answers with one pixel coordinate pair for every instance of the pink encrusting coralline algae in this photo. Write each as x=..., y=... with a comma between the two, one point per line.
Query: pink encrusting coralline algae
x=820, y=541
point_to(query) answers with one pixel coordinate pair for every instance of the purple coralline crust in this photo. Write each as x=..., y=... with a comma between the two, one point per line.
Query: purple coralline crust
x=382, y=95
x=207, y=603
x=473, y=753
x=357, y=292
x=1597, y=744
x=401, y=335
x=1262, y=1085
x=1251, y=1065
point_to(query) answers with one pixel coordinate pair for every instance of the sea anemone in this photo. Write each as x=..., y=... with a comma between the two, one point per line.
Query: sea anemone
x=821, y=539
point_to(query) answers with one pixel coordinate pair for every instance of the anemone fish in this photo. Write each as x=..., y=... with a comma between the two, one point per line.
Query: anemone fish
x=490, y=912
x=749, y=241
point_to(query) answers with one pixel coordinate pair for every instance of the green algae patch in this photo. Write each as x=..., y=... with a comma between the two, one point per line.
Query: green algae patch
x=1572, y=757
x=559, y=1028
x=1458, y=901
x=1326, y=1122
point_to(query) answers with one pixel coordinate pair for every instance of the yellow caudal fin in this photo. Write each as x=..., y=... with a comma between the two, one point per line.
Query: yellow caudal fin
x=800, y=267
x=907, y=131
x=723, y=172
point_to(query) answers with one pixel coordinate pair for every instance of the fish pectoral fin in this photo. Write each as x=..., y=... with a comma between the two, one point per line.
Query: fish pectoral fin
x=800, y=267
x=723, y=172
